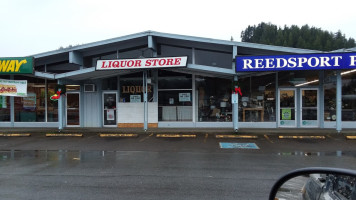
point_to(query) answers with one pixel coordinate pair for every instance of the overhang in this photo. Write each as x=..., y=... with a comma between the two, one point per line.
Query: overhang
x=91, y=73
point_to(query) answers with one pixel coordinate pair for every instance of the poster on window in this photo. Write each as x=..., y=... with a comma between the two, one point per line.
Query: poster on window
x=286, y=114
x=135, y=98
x=184, y=97
x=3, y=102
x=110, y=114
x=29, y=102
x=16, y=88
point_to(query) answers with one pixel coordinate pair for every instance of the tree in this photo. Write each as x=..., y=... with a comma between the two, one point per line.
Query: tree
x=305, y=37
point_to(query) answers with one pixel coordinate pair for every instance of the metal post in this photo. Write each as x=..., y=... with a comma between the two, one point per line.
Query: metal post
x=235, y=110
x=338, y=101
x=145, y=103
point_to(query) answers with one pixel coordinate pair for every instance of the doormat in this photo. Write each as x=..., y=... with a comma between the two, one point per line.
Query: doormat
x=225, y=145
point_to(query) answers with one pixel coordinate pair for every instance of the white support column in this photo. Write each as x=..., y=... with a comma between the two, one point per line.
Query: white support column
x=338, y=102
x=235, y=110
x=145, y=101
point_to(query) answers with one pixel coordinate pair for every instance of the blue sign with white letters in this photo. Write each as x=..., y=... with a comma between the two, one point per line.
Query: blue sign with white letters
x=296, y=62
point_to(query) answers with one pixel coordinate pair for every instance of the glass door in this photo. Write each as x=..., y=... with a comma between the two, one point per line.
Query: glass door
x=72, y=109
x=287, y=107
x=109, y=108
x=309, y=107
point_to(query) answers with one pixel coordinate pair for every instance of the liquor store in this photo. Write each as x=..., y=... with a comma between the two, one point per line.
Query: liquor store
x=161, y=80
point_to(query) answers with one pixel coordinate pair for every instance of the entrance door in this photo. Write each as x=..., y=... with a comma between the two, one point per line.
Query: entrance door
x=309, y=107
x=287, y=107
x=109, y=108
x=73, y=109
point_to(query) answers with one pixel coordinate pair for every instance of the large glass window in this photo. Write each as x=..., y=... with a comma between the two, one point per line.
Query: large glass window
x=4, y=109
x=258, y=100
x=52, y=106
x=348, y=95
x=4, y=105
x=131, y=88
x=174, y=96
x=32, y=107
x=298, y=78
x=213, y=58
x=329, y=96
x=214, y=99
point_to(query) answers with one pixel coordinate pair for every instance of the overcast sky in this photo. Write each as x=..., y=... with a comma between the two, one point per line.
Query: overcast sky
x=34, y=26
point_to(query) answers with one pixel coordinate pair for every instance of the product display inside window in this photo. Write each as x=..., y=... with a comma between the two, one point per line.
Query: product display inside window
x=329, y=96
x=348, y=95
x=32, y=107
x=214, y=99
x=258, y=100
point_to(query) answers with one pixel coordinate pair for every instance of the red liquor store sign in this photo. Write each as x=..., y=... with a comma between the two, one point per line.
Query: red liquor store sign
x=144, y=63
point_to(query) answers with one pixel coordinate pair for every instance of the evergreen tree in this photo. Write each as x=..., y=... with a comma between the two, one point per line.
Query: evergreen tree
x=305, y=37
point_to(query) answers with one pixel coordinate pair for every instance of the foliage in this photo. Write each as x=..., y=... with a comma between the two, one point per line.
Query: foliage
x=305, y=37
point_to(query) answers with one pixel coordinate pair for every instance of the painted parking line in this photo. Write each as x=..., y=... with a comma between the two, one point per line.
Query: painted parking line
x=64, y=135
x=176, y=135
x=300, y=137
x=226, y=145
x=118, y=135
x=351, y=137
x=237, y=136
x=15, y=134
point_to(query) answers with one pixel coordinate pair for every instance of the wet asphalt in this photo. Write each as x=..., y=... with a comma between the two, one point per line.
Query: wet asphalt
x=148, y=167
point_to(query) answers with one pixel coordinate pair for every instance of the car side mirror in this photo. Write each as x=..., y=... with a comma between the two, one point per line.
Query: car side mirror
x=316, y=184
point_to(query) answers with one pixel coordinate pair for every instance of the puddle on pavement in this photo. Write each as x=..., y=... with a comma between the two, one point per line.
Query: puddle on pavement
x=302, y=153
x=59, y=155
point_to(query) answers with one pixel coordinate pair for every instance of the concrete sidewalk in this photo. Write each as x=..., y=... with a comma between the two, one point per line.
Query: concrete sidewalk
x=242, y=131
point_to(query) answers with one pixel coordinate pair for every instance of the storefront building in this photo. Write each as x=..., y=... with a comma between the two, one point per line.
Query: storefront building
x=165, y=80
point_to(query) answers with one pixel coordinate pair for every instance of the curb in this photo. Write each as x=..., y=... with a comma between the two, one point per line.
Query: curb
x=176, y=135
x=123, y=135
x=15, y=134
x=64, y=135
x=301, y=137
x=237, y=136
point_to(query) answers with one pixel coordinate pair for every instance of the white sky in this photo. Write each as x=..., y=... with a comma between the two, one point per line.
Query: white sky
x=35, y=26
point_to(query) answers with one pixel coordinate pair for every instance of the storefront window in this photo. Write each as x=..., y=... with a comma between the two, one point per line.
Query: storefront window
x=298, y=78
x=131, y=87
x=213, y=58
x=258, y=100
x=52, y=106
x=348, y=95
x=329, y=96
x=4, y=109
x=174, y=96
x=214, y=99
x=4, y=105
x=32, y=107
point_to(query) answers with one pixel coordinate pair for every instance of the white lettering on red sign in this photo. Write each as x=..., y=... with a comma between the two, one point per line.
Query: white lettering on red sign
x=142, y=63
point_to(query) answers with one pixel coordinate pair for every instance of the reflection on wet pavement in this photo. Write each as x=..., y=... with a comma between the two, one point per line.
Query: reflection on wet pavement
x=302, y=153
x=58, y=155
